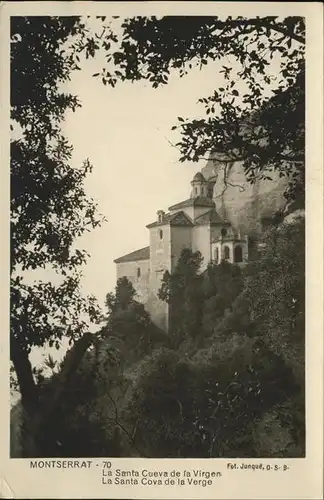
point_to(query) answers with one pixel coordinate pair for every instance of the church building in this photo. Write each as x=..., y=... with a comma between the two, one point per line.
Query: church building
x=193, y=223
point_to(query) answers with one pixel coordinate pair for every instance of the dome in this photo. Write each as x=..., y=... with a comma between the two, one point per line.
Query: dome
x=198, y=177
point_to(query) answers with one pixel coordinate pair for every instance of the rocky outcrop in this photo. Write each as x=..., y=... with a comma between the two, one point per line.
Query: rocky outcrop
x=248, y=207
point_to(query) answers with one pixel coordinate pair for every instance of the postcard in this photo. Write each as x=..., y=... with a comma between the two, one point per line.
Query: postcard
x=162, y=250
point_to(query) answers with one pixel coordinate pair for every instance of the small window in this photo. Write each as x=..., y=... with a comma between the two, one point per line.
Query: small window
x=216, y=255
x=238, y=254
x=226, y=253
x=161, y=234
x=161, y=216
x=196, y=190
x=138, y=272
x=224, y=232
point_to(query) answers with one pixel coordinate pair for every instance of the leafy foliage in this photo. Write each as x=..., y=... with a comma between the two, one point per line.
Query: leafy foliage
x=93, y=394
x=257, y=113
x=49, y=207
x=197, y=301
x=192, y=398
x=129, y=326
x=248, y=372
x=184, y=408
x=275, y=289
x=181, y=290
x=86, y=407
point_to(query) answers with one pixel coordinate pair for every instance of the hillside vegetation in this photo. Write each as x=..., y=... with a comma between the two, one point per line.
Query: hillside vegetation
x=227, y=381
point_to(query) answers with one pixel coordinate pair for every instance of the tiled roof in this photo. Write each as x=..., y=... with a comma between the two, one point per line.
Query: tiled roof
x=141, y=254
x=199, y=201
x=180, y=218
x=211, y=217
x=177, y=219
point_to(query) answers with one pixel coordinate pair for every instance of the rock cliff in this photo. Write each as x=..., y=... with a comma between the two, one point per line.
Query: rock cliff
x=248, y=207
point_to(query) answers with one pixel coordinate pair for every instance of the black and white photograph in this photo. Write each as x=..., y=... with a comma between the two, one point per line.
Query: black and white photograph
x=157, y=236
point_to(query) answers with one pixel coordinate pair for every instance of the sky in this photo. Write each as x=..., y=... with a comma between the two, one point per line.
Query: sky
x=126, y=134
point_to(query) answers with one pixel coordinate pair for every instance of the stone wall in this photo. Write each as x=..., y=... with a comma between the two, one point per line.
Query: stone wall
x=246, y=206
x=140, y=283
x=181, y=237
x=202, y=243
x=160, y=261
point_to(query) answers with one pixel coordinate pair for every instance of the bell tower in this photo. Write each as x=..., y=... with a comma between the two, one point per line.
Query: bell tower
x=199, y=186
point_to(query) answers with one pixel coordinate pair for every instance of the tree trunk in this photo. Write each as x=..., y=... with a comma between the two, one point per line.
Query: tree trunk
x=41, y=422
x=34, y=417
x=29, y=397
x=75, y=357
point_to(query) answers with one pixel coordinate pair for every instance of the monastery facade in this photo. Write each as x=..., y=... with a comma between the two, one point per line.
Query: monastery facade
x=220, y=219
x=197, y=223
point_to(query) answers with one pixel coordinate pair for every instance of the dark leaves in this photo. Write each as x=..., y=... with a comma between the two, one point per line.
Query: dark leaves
x=157, y=46
x=49, y=206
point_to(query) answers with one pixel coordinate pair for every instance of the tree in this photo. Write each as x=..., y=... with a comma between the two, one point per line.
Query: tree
x=182, y=407
x=182, y=290
x=275, y=291
x=158, y=406
x=257, y=114
x=122, y=298
x=49, y=207
x=86, y=408
x=129, y=326
x=243, y=379
x=222, y=285
x=199, y=300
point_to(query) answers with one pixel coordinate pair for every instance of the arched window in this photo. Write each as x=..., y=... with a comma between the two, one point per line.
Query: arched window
x=161, y=234
x=196, y=190
x=238, y=254
x=224, y=231
x=226, y=253
x=216, y=255
x=138, y=272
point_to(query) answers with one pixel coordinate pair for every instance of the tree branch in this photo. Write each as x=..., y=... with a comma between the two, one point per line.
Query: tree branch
x=78, y=351
x=298, y=38
x=256, y=22
x=117, y=422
